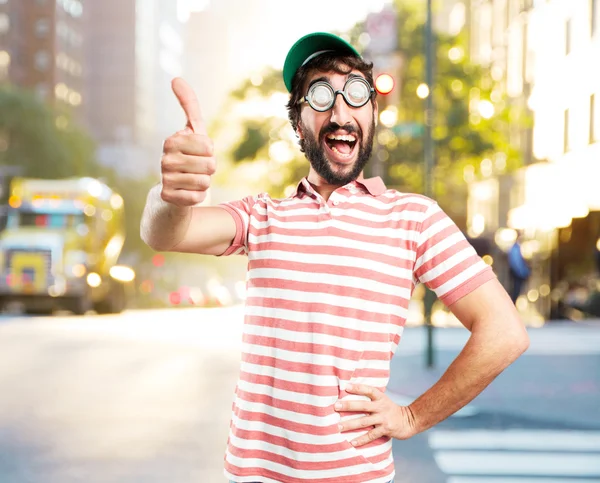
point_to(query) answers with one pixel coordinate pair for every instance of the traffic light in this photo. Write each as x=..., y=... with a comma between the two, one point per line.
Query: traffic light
x=384, y=84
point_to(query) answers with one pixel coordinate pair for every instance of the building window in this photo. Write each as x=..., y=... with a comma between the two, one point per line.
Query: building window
x=4, y=64
x=594, y=135
x=524, y=56
x=42, y=60
x=42, y=90
x=593, y=17
x=72, y=7
x=566, y=132
x=568, y=37
x=42, y=28
x=4, y=23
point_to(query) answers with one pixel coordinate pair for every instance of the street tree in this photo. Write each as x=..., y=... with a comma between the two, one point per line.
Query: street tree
x=472, y=124
x=473, y=119
x=42, y=140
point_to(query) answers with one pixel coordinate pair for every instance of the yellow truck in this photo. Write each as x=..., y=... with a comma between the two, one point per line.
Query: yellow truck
x=61, y=246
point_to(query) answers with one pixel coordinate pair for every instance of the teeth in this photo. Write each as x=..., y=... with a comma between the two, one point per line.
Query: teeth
x=341, y=137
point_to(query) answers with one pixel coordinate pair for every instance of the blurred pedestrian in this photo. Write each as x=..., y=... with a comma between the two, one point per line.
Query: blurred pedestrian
x=519, y=269
x=597, y=254
x=331, y=270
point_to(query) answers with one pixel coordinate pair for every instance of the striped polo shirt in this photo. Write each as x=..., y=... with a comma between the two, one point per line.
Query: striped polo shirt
x=328, y=289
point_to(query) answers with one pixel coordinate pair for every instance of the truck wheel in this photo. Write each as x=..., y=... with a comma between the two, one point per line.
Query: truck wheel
x=79, y=305
x=115, y=301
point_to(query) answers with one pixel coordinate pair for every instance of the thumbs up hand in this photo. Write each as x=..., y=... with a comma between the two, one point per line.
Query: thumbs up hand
x=188, y=155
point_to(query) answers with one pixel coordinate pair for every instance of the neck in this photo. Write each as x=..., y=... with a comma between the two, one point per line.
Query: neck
x=323, y=187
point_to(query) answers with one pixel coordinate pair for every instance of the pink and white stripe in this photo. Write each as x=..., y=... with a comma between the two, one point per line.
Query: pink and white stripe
x=328, y=289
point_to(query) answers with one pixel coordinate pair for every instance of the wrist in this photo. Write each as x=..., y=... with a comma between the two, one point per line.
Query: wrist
x=412, y=420
x=408, y=424
x=171, y=209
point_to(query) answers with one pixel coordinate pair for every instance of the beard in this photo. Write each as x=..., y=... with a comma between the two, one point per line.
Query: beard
x=315, y=153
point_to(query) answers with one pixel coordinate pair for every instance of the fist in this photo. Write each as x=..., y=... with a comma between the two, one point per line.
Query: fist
x=188, y=156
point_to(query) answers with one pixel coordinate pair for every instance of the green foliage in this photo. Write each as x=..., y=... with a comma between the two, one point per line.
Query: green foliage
x=267, y=83
x=43, y=141
x=256, y=136
x=462, y=136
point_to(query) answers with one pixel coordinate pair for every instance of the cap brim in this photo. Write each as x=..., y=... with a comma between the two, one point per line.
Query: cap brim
x=309, y=45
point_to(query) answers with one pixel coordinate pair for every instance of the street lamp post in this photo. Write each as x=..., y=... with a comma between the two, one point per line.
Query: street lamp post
x=428, y=171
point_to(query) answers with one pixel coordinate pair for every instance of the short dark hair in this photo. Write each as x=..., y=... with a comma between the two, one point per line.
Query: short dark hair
x=326, y=62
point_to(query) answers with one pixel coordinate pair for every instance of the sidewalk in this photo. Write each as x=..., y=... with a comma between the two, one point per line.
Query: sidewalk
x=557, y=379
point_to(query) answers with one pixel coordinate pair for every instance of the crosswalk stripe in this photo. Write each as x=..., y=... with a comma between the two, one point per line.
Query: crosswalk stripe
x=517, y=439
x=506, y=463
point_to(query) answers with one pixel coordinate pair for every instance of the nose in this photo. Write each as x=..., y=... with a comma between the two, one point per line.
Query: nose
x=340, y=112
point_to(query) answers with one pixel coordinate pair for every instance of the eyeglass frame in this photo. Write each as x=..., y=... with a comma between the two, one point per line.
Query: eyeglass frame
x=304, y=99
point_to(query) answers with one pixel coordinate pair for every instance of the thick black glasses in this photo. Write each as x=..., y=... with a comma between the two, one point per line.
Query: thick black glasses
x=321, y=95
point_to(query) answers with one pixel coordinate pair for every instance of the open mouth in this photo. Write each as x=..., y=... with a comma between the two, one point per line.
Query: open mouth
x=342, y=145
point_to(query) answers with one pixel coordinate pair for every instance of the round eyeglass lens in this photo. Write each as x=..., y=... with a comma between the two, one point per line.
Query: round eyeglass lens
x=321, y=96
x=357, y=91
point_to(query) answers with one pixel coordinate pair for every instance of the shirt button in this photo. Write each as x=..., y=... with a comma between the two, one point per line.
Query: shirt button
x=335, y=203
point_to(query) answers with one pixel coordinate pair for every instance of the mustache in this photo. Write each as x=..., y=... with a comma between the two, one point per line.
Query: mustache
x=333, y=127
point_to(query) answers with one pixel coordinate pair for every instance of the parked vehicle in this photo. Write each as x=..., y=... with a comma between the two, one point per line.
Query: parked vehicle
x=61, y=246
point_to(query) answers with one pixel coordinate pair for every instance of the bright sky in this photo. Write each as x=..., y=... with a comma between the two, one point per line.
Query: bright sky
x=250, y=35
x=285, y=21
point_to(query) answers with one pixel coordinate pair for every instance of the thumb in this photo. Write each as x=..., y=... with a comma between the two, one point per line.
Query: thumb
x=190, y=105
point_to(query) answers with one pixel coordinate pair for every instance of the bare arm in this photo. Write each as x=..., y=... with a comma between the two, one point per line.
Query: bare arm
x=200, y=229
x=497, y=339
x=171, y=220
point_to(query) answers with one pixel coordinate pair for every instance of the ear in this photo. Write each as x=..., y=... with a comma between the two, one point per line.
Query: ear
x=299, y=130
x=376, y=112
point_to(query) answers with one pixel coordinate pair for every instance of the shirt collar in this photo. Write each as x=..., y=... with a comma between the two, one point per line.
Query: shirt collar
x=374, y=186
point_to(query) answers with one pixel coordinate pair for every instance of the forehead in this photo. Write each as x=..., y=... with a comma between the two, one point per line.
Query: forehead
x=332, y=76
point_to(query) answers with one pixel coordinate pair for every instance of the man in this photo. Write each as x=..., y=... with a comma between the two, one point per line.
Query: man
x=330, y=273
x=518, y=269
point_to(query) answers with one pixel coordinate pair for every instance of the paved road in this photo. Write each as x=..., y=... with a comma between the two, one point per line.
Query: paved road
x=140, y=398
x=538, y=422
x=145, y=397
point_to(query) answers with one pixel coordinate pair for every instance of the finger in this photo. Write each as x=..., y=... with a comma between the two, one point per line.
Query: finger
x=371, y=436
x=195, y=144
x=371, y=392
x=361, y=406
x=183, y=197
x=186, y=181
x=359, y=423
x=190, y=105
x=184, y=163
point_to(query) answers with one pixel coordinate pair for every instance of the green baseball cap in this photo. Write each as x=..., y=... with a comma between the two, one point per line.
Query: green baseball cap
x=308, y=47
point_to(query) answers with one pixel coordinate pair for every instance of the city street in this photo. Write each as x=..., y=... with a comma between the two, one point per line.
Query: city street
x=145, y=397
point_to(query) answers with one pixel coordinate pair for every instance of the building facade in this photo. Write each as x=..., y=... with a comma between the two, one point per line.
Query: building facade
x=543, y=54
x=134, y=49
x=42, y=49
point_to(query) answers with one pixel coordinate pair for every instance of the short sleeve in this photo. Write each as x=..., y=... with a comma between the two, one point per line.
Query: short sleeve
x=446, y=262
x=241, y=212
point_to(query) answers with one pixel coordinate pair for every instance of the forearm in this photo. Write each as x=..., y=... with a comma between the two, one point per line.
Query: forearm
x=484, y=357
x=163, y=224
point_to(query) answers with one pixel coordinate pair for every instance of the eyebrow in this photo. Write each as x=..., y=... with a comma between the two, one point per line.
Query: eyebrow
x=354, y=76
x=318, y=79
